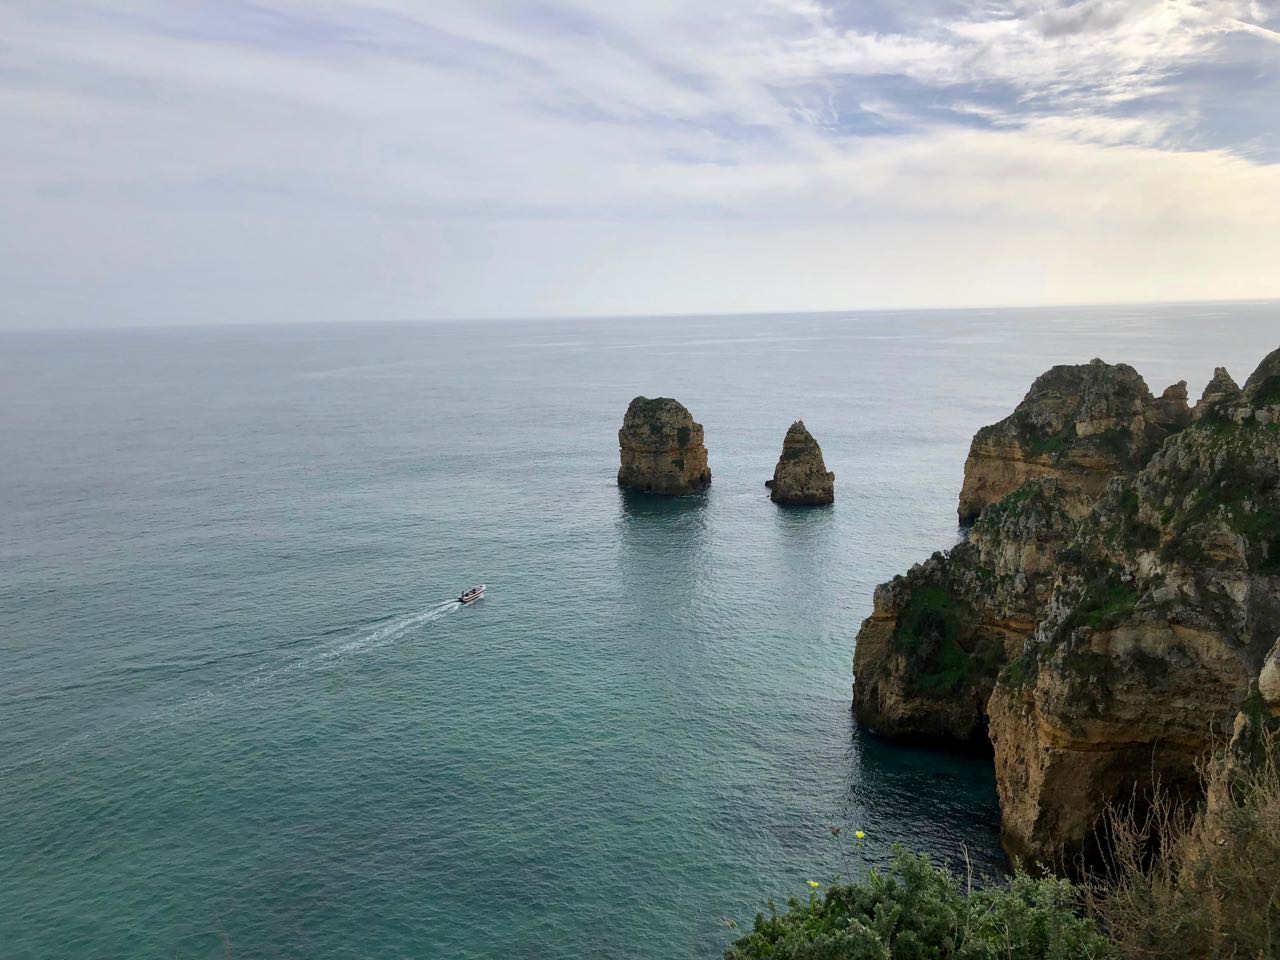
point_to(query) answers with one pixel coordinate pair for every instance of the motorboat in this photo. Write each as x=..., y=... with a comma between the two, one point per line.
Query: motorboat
x=472, y=595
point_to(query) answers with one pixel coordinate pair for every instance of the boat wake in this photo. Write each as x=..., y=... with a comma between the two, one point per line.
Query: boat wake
x=339, y=646
x=384, y=634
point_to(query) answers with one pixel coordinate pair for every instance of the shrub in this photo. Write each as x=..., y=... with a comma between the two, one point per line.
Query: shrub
x=929, y=631
x=913, y=910
x=1181, y=883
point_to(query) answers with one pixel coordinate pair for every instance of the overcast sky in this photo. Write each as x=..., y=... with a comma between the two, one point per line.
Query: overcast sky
x=393, y=159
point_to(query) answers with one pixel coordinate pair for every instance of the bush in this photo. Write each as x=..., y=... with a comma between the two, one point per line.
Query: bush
x=915, y=911
x=1181, y=883
x=1178, y=882
x=929, y=631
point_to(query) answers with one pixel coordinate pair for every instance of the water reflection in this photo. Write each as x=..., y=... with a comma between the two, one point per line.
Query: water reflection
x=662, y=550
x=640, y=506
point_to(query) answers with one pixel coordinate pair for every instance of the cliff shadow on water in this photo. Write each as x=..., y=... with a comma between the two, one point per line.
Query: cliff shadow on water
x=928, y=791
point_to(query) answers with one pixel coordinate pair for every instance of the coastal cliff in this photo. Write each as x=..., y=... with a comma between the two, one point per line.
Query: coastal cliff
x=801, y=477
x=1080, y=424
x=1103, y=621
x=661, y=449
x=928, y=657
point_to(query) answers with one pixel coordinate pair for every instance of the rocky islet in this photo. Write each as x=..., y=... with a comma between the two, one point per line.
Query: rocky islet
x=661, y=449
x=801, y=478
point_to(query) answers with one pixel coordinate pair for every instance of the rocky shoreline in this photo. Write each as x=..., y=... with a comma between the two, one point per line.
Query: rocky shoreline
x=1100, y=626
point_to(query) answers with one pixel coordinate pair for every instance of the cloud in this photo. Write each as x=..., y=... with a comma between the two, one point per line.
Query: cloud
x=259, y=159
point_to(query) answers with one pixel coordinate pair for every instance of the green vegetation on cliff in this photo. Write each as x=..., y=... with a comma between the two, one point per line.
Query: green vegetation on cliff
x=929, y=631
x=912, y=910
x=932, y=632
x=1180, y=883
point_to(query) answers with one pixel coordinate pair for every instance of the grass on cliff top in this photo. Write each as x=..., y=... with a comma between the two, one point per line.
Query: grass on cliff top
x=1108, y=603
x=1022, y=670
x=1037, y=443
x=1009, y=504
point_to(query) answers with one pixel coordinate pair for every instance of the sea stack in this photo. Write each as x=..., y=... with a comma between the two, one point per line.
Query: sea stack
x=661, y=449
x=801, y=479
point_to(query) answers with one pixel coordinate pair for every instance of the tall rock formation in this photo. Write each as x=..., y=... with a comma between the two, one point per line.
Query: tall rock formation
x=801, y=477
x=661, y=449
x=1160, y=617
x=1100, y=644
x=1080, y=424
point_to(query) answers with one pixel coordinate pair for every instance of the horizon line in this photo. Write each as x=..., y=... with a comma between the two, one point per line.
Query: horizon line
x=607, y=317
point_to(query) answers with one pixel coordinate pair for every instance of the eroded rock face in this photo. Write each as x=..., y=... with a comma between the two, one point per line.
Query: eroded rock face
x=1080, y=424
x=661, y=449
x=1113, y=646
x=1160, y=618
x=927, y=658
x=1217, y=392
x=801, y=477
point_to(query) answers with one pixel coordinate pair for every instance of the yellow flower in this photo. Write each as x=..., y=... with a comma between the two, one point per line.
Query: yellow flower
x=814, y=884
x=859, y=834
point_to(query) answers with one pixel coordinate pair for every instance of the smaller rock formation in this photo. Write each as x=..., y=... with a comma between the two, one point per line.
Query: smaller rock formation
x=661, y=449
x=801, y=478
x=1219, y=392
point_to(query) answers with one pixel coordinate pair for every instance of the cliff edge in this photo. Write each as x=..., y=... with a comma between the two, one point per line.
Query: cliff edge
x=1080, y=424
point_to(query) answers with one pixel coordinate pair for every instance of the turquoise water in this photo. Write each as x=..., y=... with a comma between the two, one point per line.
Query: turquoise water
x=236, y=704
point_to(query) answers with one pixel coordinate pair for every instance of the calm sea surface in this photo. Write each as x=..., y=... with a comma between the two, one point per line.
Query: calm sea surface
x=235, y=703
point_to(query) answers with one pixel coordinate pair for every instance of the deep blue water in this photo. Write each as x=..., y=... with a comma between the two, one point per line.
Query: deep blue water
x=234, y=704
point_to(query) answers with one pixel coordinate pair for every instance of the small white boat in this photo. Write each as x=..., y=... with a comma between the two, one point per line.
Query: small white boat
x=472, y=595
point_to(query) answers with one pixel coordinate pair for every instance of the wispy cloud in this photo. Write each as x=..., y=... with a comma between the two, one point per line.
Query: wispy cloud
x=371, y=158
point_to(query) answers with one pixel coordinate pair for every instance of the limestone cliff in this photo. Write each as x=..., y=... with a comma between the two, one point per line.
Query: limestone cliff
x=1080, y=424
x=801, y=477
x=661, y=449
x=927, y=658
x=1158, y=622
x=1099, y=650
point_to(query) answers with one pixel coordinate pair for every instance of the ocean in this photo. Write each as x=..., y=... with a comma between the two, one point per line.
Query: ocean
x=241, y=717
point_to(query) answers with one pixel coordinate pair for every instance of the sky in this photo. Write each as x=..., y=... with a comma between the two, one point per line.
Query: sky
x=273, y=160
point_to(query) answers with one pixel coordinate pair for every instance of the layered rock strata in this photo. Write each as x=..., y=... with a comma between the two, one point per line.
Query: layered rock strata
x=1081, y=424
x=927, y=658
x=661, y=449
x=801, y=478
x=1100, y=644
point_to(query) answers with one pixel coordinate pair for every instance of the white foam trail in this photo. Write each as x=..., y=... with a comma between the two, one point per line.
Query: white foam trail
x=193, y=706
x=382, y=636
